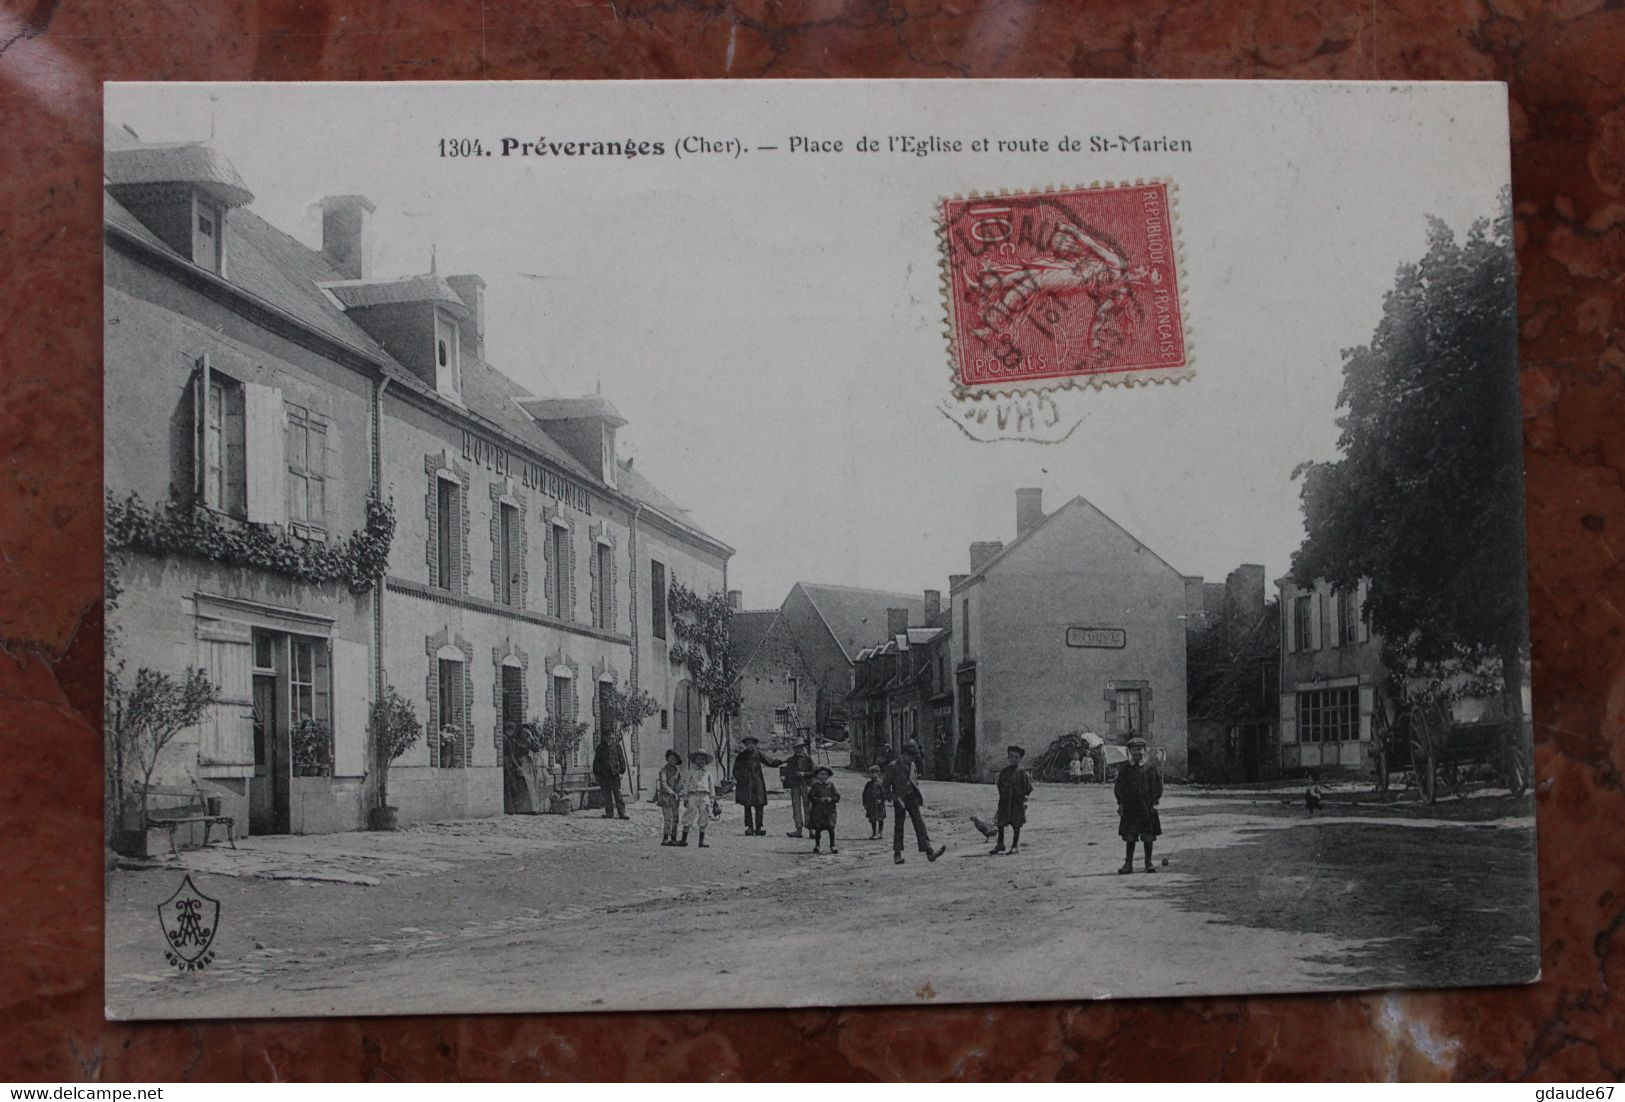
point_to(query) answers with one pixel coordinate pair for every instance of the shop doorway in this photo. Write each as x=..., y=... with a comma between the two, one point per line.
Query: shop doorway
x=268, y=791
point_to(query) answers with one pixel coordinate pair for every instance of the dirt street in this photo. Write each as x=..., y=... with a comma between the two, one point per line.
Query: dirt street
x=554, y=913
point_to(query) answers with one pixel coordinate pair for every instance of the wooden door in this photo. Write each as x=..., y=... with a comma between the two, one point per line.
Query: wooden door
x=687, y=734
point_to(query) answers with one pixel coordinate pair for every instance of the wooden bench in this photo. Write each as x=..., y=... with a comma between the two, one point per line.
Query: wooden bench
x=208, y=821
x=582, y=786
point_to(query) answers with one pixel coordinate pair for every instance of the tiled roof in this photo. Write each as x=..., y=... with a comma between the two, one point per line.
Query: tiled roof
x=355, y=294
x=189, y=163
x=857, y=617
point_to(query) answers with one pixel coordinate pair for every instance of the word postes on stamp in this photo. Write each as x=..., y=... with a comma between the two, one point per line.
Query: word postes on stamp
x=1061, y=288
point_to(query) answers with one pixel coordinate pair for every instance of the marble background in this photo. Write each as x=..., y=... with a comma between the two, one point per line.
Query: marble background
x=1563, y=62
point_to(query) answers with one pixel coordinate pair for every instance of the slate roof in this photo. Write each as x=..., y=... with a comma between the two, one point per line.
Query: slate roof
x=1078, y=501
x=186, y=163
x=857, y=617
x=356, y=293
x=288, y=276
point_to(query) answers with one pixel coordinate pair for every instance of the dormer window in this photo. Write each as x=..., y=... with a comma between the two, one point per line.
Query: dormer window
x=448, y=378
x=208, y=236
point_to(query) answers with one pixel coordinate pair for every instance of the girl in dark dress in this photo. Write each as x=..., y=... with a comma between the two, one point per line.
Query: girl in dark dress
x=1015, y=785
x=821, y=801
x=874, y=803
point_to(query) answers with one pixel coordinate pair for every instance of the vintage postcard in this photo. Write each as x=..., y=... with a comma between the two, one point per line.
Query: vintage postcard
x=582, y=546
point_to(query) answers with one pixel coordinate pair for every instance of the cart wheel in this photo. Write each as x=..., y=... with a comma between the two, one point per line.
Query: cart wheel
x=1515, y=764
x=1423, y=762
x=1379, y=745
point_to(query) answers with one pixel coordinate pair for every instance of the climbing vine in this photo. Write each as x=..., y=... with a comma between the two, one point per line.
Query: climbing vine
x=701, y=626
x=198, y=532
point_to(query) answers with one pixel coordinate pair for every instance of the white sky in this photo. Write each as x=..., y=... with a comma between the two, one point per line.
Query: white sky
x=771, y=326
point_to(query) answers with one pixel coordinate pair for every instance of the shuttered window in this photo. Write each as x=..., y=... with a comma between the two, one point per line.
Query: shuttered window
x=605, y=597
x=307, y=470
x=508, y=555
x=453, y=733
x=448, y=536
x=227, y=735
x=657, y=599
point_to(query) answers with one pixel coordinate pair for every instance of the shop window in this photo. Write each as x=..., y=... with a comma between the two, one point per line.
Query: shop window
x=307, y=471
x=1329, y=715
x=657, y=599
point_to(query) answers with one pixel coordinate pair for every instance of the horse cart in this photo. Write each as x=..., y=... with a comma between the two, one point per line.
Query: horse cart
x=1438, y=746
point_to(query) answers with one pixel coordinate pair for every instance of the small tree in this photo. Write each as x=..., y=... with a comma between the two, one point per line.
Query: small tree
x=702, y=628
x=560, y=737
x=144, y=716
x=622, y=712
x=395, y=730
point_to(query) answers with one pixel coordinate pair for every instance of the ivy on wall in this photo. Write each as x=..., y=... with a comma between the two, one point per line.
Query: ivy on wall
x=198, y=532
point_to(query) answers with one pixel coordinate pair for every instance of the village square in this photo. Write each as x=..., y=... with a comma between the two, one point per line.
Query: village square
x=418, y=684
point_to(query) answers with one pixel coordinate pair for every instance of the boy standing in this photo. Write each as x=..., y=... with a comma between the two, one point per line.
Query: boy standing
x=1313, y=797
x=821, y=801
x=698, y=794
x=1014, y=788
x=1139, y=788
x=669, y=795
x=874, y=803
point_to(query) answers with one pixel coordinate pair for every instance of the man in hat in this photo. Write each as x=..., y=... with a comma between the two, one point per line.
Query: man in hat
x=608, y=763
x=669, y=787
x=750, y=787
x=901, y=787
x=797, y=774
x=699, y=797
x=1014, y=786
x=1138, y=789
x=821, y=801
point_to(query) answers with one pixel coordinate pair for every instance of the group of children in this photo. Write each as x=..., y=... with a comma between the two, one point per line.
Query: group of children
x=691, y=797
x=1138, y=790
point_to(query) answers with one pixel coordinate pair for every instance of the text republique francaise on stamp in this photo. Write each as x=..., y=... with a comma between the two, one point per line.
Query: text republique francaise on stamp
x=1063, y=288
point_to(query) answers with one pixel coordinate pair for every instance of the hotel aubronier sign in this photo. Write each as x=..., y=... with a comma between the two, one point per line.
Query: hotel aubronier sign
x=533, y=476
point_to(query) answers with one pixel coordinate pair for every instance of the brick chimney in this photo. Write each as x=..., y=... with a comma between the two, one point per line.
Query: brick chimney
x=896, y=621
x=471, y=289
x=933, y=605
x=982, y=551
x=347, y=234
x=736, y=599
x=1029, y=509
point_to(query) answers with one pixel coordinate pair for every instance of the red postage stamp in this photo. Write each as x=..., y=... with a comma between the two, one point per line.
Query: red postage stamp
x=1078, y=286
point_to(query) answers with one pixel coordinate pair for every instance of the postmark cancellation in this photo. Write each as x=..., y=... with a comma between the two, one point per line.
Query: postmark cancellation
x=1068, y=287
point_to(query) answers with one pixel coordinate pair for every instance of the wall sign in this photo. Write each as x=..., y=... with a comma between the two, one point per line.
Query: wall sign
x=533, y=476
x=1112, y=638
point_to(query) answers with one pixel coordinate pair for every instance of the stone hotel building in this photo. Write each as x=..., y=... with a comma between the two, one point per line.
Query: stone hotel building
x=262, y=399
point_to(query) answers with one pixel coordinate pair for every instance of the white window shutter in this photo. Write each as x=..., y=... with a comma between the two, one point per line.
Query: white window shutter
x=1368, y=701
x=1332, y=624
x=352, y=705
x=227, y=735
x=1315, y=601
x=267, y=459
x=1289, y=717
x=1359, y=610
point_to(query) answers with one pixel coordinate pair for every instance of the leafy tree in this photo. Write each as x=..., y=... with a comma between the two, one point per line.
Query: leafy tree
x=144, y=716
x=622, y=711
x=701, y=626
x=395, y=730
x=1427, y=499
